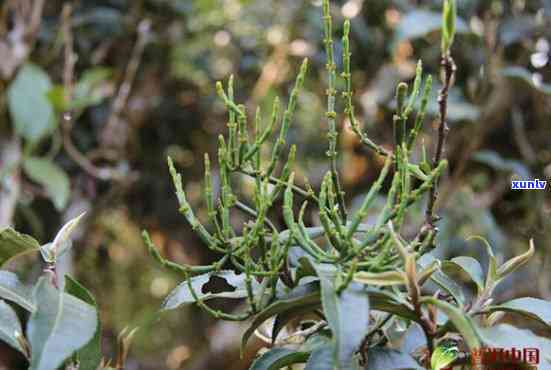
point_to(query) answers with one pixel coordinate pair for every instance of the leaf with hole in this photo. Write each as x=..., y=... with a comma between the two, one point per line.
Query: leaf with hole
x=181, y=295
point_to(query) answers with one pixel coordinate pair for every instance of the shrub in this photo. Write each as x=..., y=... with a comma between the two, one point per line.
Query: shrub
x=379, y=300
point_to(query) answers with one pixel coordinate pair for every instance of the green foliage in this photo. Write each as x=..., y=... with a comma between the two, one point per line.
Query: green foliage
x=48, y=174
x=365, y=277
x=31, y=112
x=63, y=326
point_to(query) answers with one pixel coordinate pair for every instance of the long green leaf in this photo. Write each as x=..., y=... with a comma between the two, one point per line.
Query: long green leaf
x=534, y=308
x=460, y=319
x=13, y=244
x=61, y=325
x=12, y=289
x=321, y=358
x=469, y=266
x=54, y=179
x=346, y=313
x=10, y=327
x=89, y=356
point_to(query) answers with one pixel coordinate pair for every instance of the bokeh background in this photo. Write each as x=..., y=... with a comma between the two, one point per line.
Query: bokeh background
x=145, y=71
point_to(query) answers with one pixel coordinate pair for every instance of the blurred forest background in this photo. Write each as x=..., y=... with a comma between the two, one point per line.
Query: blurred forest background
x=140, y=76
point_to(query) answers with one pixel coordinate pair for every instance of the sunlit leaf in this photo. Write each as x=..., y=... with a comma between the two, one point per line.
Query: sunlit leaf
x=62, y=241
x=386, y=278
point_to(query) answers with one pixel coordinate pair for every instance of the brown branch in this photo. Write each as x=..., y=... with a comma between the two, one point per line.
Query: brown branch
x=448, y=68
x=110, y=134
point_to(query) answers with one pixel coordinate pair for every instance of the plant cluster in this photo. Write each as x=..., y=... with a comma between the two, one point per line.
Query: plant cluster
x=368, y=296
x=62, y=323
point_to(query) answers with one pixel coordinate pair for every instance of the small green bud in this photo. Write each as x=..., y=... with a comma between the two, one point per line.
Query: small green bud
x=448, y=25
x=401, y=92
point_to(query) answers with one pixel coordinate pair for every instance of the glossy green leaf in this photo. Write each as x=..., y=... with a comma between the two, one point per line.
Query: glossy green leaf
x=469, y=266
x=61, y=325
x=48, y=174
x=32, y=114
x=535, y=308
x=181, y=295
x=277, y=358
x=10, y=327
x=13, y=244
x=347, y=315
x=443, y=355
x=460, y=320
x=89, y=356
x=12, y=289
x=380, y=358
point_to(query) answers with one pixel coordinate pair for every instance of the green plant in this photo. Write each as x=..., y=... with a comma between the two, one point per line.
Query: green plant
x=368, y=287
x=62, y=321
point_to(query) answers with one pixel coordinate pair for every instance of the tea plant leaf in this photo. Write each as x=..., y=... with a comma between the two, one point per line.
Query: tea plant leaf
x=60, y=325
x=346, y=313
x=31, y=112
x=13, y=244
x=10, y=327
x=51, y=176
x=386, y=278
x=461, y=321
x=302, y=296
x=12, y=289
x=515, y=262
x=89, y=356
x=468, y=265
x=386, y=359
x=535, y=308
x=182, y=295
x=62, y=241
x=321, y=358
x=277, y=358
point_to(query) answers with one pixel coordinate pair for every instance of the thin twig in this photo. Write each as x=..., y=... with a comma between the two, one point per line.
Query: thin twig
x=448, y=67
